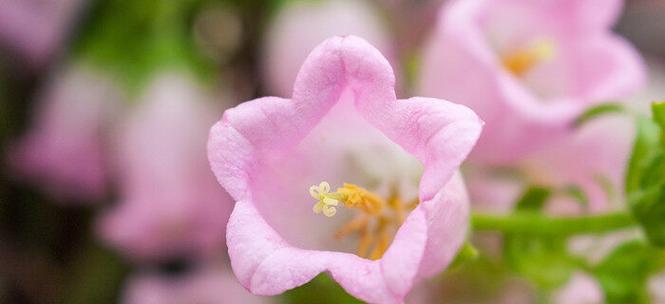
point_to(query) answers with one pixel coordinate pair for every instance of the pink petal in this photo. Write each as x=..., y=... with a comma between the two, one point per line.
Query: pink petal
x=606, y=67
x=595, y=153
x=448, y=219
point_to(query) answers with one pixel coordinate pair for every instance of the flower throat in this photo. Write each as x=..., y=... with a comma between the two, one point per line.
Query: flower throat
x=522, y=60
x=377, y=220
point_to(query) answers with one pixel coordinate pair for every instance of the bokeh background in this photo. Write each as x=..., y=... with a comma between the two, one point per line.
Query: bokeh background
x=105, y=191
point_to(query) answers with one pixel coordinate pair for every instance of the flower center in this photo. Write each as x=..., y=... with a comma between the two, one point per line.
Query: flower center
x=377, y=220
x=521, y=60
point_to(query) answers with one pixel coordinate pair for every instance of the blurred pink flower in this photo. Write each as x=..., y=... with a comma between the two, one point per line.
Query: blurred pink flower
x=299, y=26
x=528, y=67
x=657, y=288
x=581, y=289
x=36, y=27
x=64, y=149
x=209, y=284
x=493, y=192
x=593, y=158
x=170, y=204
x=267, y=152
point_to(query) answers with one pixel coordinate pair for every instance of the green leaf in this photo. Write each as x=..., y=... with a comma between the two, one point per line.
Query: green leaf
x=577, y=193
x=466, y=254
x=533, y=199
x=623, y=274
x=648, y=206
x=658, y=110
x=542, y=260
x=645, y=149
x=322, y=290
x=597, y=111
x=96, y=278
x=645, y=180
x=133, y=40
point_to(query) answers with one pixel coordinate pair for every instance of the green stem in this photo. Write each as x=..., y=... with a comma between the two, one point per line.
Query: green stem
x=532, y=223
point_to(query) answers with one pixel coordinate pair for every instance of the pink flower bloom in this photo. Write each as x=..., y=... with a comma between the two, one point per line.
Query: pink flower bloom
x=581, y=289
x=170, y=204
x=268, y=152
x=36, y=27
x=205, y=285
x=593, y=158
x=63, y=151
x=299, y=26
x=529, y=67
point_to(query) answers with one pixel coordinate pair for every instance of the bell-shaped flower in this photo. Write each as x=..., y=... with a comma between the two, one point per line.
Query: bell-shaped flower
x=170, y=204
x=528, y=68
x=389, y=169
x=65, y=149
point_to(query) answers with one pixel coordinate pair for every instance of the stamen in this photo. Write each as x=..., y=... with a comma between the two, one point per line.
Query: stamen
x=378, y=218
x=351, y=195
x=354, y=225
x=358, y=197
x=522, y=60
x=383, y=240
x=366, y=239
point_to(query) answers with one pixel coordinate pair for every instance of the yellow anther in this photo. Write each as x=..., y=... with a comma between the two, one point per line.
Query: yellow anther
x=358, y=197
x=520, y=61
x=376, y=223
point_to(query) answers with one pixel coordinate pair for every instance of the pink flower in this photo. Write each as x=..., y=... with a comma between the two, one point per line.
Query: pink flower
x=593, y=159
x=656, y=288
x=299, y=26
x=209, y=284
x=36, y=27
x=64, y=150
x=581, y=289
x=529, y=67
x=170, y=204
x=268, y=152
